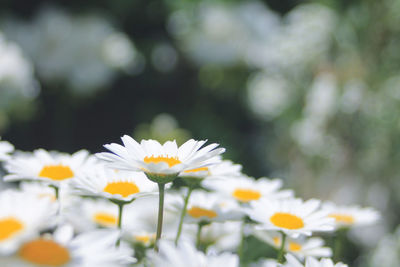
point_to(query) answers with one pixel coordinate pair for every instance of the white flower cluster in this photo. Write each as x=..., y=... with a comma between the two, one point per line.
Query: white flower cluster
x=86, y=210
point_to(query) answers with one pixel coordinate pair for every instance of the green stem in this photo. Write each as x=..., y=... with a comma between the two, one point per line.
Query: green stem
x=282, y=249
x=198, y=235
x=241, y=245
x=120, y=210
x=161, y=188
x=338, y=243
x=183, y=213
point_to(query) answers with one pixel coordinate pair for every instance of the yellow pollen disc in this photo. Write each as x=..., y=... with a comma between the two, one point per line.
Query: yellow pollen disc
x=246, y=195
x=202, y=169
x=277, y=241
x=105, y=219
x=56, y=172
x=197, y=212
x=44, y=252
x=145, y=239
x=287, y=221
x=122, y=188
x=342, y=218
x=171, y=161
x=9, y=227
x=293, y=246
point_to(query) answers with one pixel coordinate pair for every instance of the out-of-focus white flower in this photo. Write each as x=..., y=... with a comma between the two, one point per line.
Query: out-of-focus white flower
x=311, y=262
x=185, y=255
x=101, y=181
x=246, y=189
x=292, y=216
x=95, y=248
x=51, y=167
x=5, y=149
x=81, y=50
x=300, y=247
x=209, y=207
x=351, y=216
x=386, y=252
x=268, y=95
x=22, y=216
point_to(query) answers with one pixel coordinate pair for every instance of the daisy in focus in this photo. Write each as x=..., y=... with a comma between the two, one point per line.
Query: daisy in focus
x=53, y=167
x=291, y=216
x=245, y=189
x=300, y=247
x=311, y=262
x=22, y=216
x=100, y=181
x=96, y=248
x=5, y=149
x=349, y=216
x=186, y=255
x=154, y=158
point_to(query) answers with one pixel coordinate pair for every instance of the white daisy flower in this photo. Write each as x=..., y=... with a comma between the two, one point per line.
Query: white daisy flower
x=246, y=189
x=22, y=216
x=5, y=149
x=140, y=221
x=301, y=247
x=208, y=207
x=51, y=167
x=101, y=181
x=349, y=216
x=292, y=216
x=161, y=160
x=185, y=255
x=89, y=214
x=96, y=248
x=223, y=169
x=311, y=262
x=224, y=236
x=41, y=190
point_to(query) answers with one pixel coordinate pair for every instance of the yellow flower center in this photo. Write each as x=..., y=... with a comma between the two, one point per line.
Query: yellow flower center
x=342, y=218
x=8, y=227
x=277, y=241
x=105, y=219
x=44, y=252
x=246, y=195
x=171, y=161
x=56, y=172
x=124, y=189
x=197, y=212
x=202, y=169
x=145, y=239
x=293, y=246
x=287, y=221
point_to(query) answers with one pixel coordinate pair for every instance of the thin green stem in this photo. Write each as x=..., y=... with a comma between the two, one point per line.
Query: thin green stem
x=338, y=243
x=282, y=249
x=56, y=191
x=198, y=235
x=183, y=213
x=161, y=188
x=241, y=245
x=120, y=210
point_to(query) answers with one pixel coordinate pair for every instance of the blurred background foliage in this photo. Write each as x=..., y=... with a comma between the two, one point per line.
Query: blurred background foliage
x=308, y=91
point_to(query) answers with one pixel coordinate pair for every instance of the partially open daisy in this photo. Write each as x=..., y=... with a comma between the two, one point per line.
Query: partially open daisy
x=311, y=262
x=22, y=216
x=101, y=181
x=96, y=248
x=246, y=189
x=301, y=247
x=163, y=160
x=291, y=216
x=185, y=254
x=5, y=149
x=349, y=216
x=51, y=167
